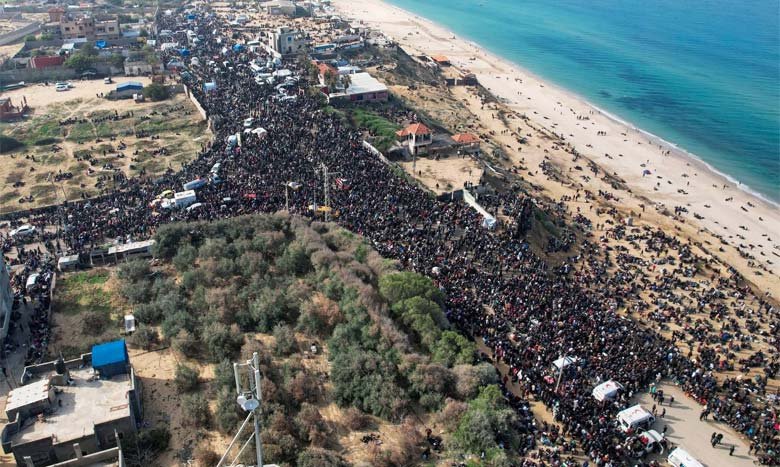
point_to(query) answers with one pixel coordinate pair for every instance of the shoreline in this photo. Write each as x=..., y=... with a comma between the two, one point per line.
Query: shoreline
x=675, y=149
x=652, y=168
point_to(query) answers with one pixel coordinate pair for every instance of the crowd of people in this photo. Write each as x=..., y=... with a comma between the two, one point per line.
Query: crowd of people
x=526, y=311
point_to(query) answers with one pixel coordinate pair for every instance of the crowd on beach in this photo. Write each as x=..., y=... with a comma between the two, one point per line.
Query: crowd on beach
x=526, y=309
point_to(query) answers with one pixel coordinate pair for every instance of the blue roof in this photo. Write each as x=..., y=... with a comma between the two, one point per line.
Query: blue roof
x=109, y=353
x=129, y=85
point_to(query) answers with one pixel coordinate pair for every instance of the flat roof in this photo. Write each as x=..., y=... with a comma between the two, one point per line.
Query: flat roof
x=361, y=83
x=28, y=394
x=84, y=404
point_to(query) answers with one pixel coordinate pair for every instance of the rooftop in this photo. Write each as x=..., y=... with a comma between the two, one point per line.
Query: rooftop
x=85, y=403
x=465, y=138
x=414, y=129
x=363, y=82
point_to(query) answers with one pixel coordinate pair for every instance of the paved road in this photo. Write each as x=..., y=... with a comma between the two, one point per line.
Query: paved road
x=686, y=431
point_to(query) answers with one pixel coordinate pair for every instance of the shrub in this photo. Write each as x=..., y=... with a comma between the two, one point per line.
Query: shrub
x=221, y=341
x=431, y=384
x=470, y=378
x=312, y=428
x=185, y=258
x=487, y=419
x=155, y=440
x=95, y=322
x=186, y=378
x=186, y=343
x=227, y=416
x=196, y=410
x=134, y=271
x=453, y=349
x=319, y=315
x=294, y=260
x=156, y=92
x=144, y=337
x=449, y=416
x=205, y=457
x=285, y=343
x=316, y=457
x=404, y=285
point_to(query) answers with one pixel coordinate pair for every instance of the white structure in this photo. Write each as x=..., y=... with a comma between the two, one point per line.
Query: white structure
x=635, y=417
x=280, y=7
x=6, y=299
x=362, y=88
x=288, y=41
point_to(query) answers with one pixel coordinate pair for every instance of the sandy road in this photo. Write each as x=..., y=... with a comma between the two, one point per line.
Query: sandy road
x=687, y=431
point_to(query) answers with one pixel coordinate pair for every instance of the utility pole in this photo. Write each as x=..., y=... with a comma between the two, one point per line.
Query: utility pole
x=249, y=398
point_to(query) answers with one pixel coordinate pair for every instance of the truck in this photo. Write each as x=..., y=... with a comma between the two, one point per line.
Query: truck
x=183, y=199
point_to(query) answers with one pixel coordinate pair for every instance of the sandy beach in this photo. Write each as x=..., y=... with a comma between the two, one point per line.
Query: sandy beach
x=657, y=174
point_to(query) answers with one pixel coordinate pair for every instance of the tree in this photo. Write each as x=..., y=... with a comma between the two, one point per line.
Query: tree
x=196, y=410
x=285, y=340
x=488, y=421
x=79, y=62
x=316, y=457
x=403, y=285
x=156, y=92
x=453, y=349
x=117, y=60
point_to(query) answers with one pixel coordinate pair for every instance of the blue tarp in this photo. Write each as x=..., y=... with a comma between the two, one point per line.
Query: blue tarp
x=184, y=52
x=238, y=47
x=111, y=358
x=100, y=44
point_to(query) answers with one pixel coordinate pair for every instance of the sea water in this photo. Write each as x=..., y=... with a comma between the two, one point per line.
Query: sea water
x=701, y=74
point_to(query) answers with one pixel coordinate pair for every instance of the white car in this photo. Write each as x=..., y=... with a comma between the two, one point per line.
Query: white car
x=63, y=83
x=61, y=88
x=22, y=231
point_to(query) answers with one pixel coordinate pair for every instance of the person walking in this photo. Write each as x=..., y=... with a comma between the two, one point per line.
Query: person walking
x=731, y=450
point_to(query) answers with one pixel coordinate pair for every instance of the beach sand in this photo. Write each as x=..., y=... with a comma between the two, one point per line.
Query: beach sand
x=675, y=178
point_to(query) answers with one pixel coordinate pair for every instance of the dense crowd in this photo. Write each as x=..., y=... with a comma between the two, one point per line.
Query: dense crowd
x=526, y=311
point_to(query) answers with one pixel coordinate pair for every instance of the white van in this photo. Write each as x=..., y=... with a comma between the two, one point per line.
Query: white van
x=679, y=457
x=608, y=390
x=635, y=417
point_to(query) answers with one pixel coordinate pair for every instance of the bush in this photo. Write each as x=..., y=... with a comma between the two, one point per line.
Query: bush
x=227, y=416
x=470, y=378
x=487, y=420
x=312, y=428
x=155, y=440
x=196, y=410
x=185, y=258
x=316, y=457
x=404, y=285
x=285, y=343
x=144, y=337
x=221, y=341
x=8, y=144
x=355, y=420
x=95, y=322
x=205, y=457
x=186, y=378
x=294, y=260
x=453, y=349
x=319, y=316
x=156, y=92
x=186, y=343
x=134, y=271
x=431, y=384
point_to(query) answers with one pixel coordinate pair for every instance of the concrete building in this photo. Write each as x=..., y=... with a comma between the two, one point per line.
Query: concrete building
x=125, y=90
x=417, y=136
x=6, y=296
x=71, y=410
x=280, y=7
x=360, y=87
x=89, y=27
x=141, y=68
x=288, y=41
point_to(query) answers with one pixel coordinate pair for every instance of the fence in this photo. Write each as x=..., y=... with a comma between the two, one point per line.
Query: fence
x=194, y=100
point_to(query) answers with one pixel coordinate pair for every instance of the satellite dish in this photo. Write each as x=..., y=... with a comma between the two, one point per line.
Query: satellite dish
x=247, y=404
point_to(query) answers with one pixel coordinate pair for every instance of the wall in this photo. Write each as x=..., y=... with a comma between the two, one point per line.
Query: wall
x=194, y=100
x=14, y=36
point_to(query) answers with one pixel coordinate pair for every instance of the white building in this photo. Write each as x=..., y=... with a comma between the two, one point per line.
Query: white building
x=362, y=87
x=288, y=41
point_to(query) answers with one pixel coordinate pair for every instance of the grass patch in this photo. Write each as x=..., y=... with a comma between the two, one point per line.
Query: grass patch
x=81, y=132
x=83, y=291
x=381, y=128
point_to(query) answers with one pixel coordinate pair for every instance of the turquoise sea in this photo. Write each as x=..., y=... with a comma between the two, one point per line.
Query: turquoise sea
x=701, y=74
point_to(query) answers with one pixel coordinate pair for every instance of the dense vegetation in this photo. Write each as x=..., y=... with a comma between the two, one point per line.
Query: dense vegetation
x=391, y=351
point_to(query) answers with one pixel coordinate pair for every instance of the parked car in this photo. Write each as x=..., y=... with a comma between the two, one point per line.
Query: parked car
x=61, y=88
x=22, y=231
